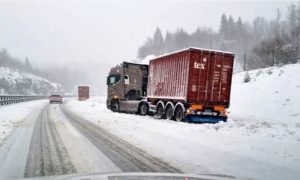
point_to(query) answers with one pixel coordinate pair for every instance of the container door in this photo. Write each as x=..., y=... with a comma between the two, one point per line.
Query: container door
x=225, y=79
x=220, y=82
x=199, y=75
x=215, y=79
x=210, y=77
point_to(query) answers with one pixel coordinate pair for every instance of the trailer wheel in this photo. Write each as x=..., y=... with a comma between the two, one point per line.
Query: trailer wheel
x=179, y=114
x=169, y=112
x=143, y=109
x=114, y=107
x=160, y=112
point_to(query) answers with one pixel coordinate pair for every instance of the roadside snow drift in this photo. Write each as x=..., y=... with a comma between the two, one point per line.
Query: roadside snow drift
x=271, y=96
x=11, y=116
x=261, y=139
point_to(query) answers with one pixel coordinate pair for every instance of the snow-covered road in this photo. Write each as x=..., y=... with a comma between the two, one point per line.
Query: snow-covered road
x=51, y=140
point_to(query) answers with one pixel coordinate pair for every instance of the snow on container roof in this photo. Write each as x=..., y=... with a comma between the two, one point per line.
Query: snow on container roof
x=133, y=63
x=192, y=48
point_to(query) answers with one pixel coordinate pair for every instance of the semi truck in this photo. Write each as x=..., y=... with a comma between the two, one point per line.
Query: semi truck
x=192, y=84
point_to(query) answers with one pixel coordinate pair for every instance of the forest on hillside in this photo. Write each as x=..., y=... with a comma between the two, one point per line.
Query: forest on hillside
x=257, y=44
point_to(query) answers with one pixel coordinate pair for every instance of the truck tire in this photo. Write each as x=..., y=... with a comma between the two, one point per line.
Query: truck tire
x=169, y=112
x=160, y=112
x=143, y=109
x=179, y=114
x=114, y=107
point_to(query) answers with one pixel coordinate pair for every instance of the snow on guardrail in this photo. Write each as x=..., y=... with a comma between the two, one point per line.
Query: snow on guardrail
x=12, y=99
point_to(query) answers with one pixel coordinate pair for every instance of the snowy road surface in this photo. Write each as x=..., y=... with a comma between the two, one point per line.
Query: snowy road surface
x=52, y=140
x=47, y=153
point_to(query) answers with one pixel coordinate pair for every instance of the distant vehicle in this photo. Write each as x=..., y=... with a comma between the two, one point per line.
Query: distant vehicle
x=83, y=93
x=55, y=98
x=189, y=85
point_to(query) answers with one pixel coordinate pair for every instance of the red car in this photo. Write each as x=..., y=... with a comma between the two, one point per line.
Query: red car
x=55, y=99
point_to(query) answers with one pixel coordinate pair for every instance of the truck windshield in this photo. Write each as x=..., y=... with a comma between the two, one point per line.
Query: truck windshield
x=113, y=79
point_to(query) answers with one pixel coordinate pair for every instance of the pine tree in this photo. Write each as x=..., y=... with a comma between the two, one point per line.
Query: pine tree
x=259, y=28
x=224, y=27
x=278, y=18
x=231, y=28
x=158, y=42
x=27, y=65
x=239, y=27
x=292, y=18
x=240, y=35
x=146, y=49
x=297, y=33
x=168, y=43
x=181, y=39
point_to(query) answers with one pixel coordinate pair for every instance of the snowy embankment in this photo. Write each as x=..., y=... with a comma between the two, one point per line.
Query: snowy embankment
x=16, y=82
x=272, y=96
x=261, y=139
x=11, y=116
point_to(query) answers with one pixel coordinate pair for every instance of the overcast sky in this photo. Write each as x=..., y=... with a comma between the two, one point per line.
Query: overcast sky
x=63, y=33
x=55, y=31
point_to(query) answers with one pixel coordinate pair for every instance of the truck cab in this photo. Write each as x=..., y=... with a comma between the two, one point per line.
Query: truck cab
x=127, y=88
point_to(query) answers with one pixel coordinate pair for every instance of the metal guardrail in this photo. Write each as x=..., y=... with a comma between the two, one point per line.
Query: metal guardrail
x=12, y=99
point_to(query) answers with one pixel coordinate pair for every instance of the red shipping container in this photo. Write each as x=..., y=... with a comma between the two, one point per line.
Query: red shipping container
x=83, y=93
x=192, y=75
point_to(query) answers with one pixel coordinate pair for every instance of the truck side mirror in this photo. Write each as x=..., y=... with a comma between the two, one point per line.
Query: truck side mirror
x=107, y=80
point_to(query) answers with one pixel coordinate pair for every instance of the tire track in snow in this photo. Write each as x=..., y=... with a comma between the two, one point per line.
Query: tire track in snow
x=47, y=154
x=124, y=155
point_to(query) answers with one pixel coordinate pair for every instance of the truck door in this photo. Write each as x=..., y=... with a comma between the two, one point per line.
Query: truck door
x=134, y=77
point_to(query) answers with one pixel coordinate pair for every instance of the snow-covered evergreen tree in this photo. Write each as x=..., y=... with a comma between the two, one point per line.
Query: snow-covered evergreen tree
x=158, y=42
x=224, y=27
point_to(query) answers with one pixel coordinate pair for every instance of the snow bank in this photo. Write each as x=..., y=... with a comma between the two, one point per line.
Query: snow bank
x=11, y=116
x=271, y=100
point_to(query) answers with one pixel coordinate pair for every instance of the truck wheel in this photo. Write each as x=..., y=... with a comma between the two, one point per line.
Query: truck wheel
x=160, y=112
x=179, y=114
x=115, y=107
x=143, y=109
x=169, y=112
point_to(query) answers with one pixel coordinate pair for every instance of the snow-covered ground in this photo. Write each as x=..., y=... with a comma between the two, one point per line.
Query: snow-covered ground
x=261, y=139
x=272, y=96
x=12, y=115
